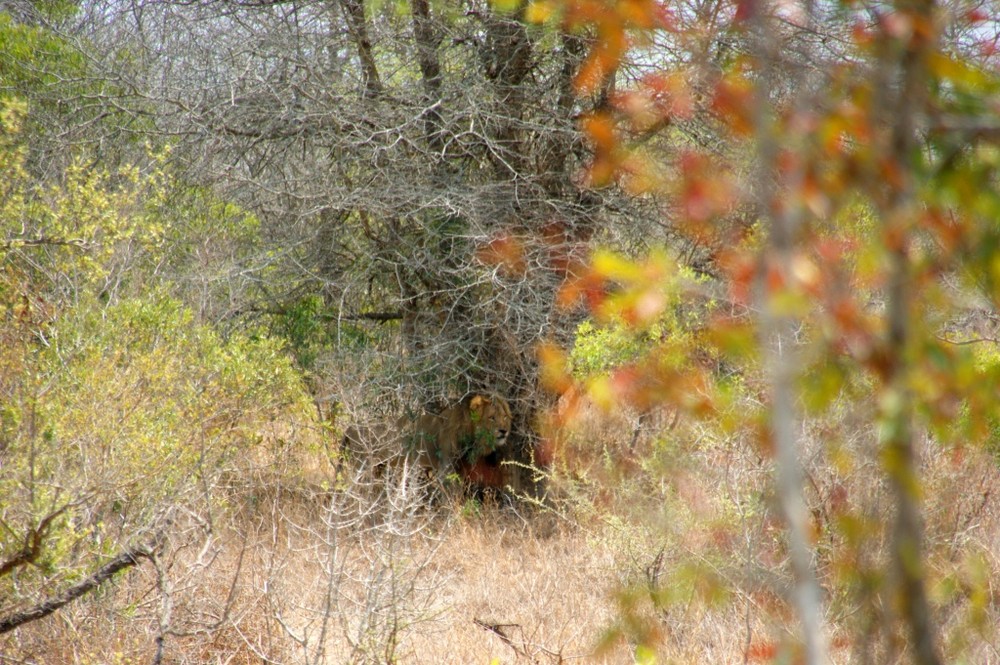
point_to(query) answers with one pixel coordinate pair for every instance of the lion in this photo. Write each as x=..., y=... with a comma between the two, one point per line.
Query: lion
x=436, y=443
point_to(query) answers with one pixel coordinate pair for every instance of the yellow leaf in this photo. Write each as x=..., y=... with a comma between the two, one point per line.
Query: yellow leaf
x=553, y=363
x=601, y=392
x=645, y=655
x=539, y=12
x=506, y=6
x=957, y=71
x=614, y=266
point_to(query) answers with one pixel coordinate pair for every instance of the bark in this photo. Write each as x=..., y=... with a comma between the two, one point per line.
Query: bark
x=508, y=60
x=32, y=544
x=357, y=26
x=426, y=39
x=557, y=146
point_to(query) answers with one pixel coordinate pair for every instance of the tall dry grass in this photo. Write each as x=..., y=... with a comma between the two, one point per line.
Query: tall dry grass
x=668, y=538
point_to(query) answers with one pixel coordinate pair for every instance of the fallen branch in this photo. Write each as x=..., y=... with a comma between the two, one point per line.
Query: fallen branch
x=126, y=559
x=498, y=630
x=522, y=651
x=381, y=317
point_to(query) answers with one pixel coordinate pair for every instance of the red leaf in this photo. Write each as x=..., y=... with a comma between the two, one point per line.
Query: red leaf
x=745, y=10
x=759, y=652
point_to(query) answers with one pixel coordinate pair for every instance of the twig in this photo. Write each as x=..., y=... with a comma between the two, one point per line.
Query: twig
x=498, y=630
x=32, y=544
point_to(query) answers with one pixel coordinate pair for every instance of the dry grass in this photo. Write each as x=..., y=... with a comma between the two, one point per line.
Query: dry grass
x=496, y=587
x=671, y=542
x=519, y=592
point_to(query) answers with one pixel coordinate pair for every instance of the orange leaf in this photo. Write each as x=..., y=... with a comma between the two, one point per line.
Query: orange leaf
x=554, y=366
x=592, y=72
x=733, y=101
x=505, y=251
x=600, y=129
x=759, y=652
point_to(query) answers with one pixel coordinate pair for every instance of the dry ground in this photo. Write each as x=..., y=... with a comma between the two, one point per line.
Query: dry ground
x=493, y=588
x=670, y=545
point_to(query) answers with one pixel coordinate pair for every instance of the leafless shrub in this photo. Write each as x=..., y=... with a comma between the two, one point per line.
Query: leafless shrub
x=357, y=580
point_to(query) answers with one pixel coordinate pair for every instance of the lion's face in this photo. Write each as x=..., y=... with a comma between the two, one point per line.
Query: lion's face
x=491, y=420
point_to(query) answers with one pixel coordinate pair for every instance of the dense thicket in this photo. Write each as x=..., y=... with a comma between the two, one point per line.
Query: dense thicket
x=382, y=147
x=227, y=229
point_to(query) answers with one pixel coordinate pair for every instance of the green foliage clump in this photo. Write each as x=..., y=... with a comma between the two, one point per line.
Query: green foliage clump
x=127, y=414
x=612, y=341
x=302, y=324
x=32, y=58
x=71, y=234
x=64, y=89
x=119, y=407
x=599, y=349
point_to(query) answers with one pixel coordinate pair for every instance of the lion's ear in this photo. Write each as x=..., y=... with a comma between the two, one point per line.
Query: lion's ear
x=478, y=403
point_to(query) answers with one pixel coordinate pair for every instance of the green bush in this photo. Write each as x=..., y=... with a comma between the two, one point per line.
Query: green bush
x=128, y=414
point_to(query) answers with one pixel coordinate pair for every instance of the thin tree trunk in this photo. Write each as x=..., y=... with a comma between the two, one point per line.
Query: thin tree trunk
x=778, y=344
x=898, y=434
x=426, y=40
x=357, y=26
